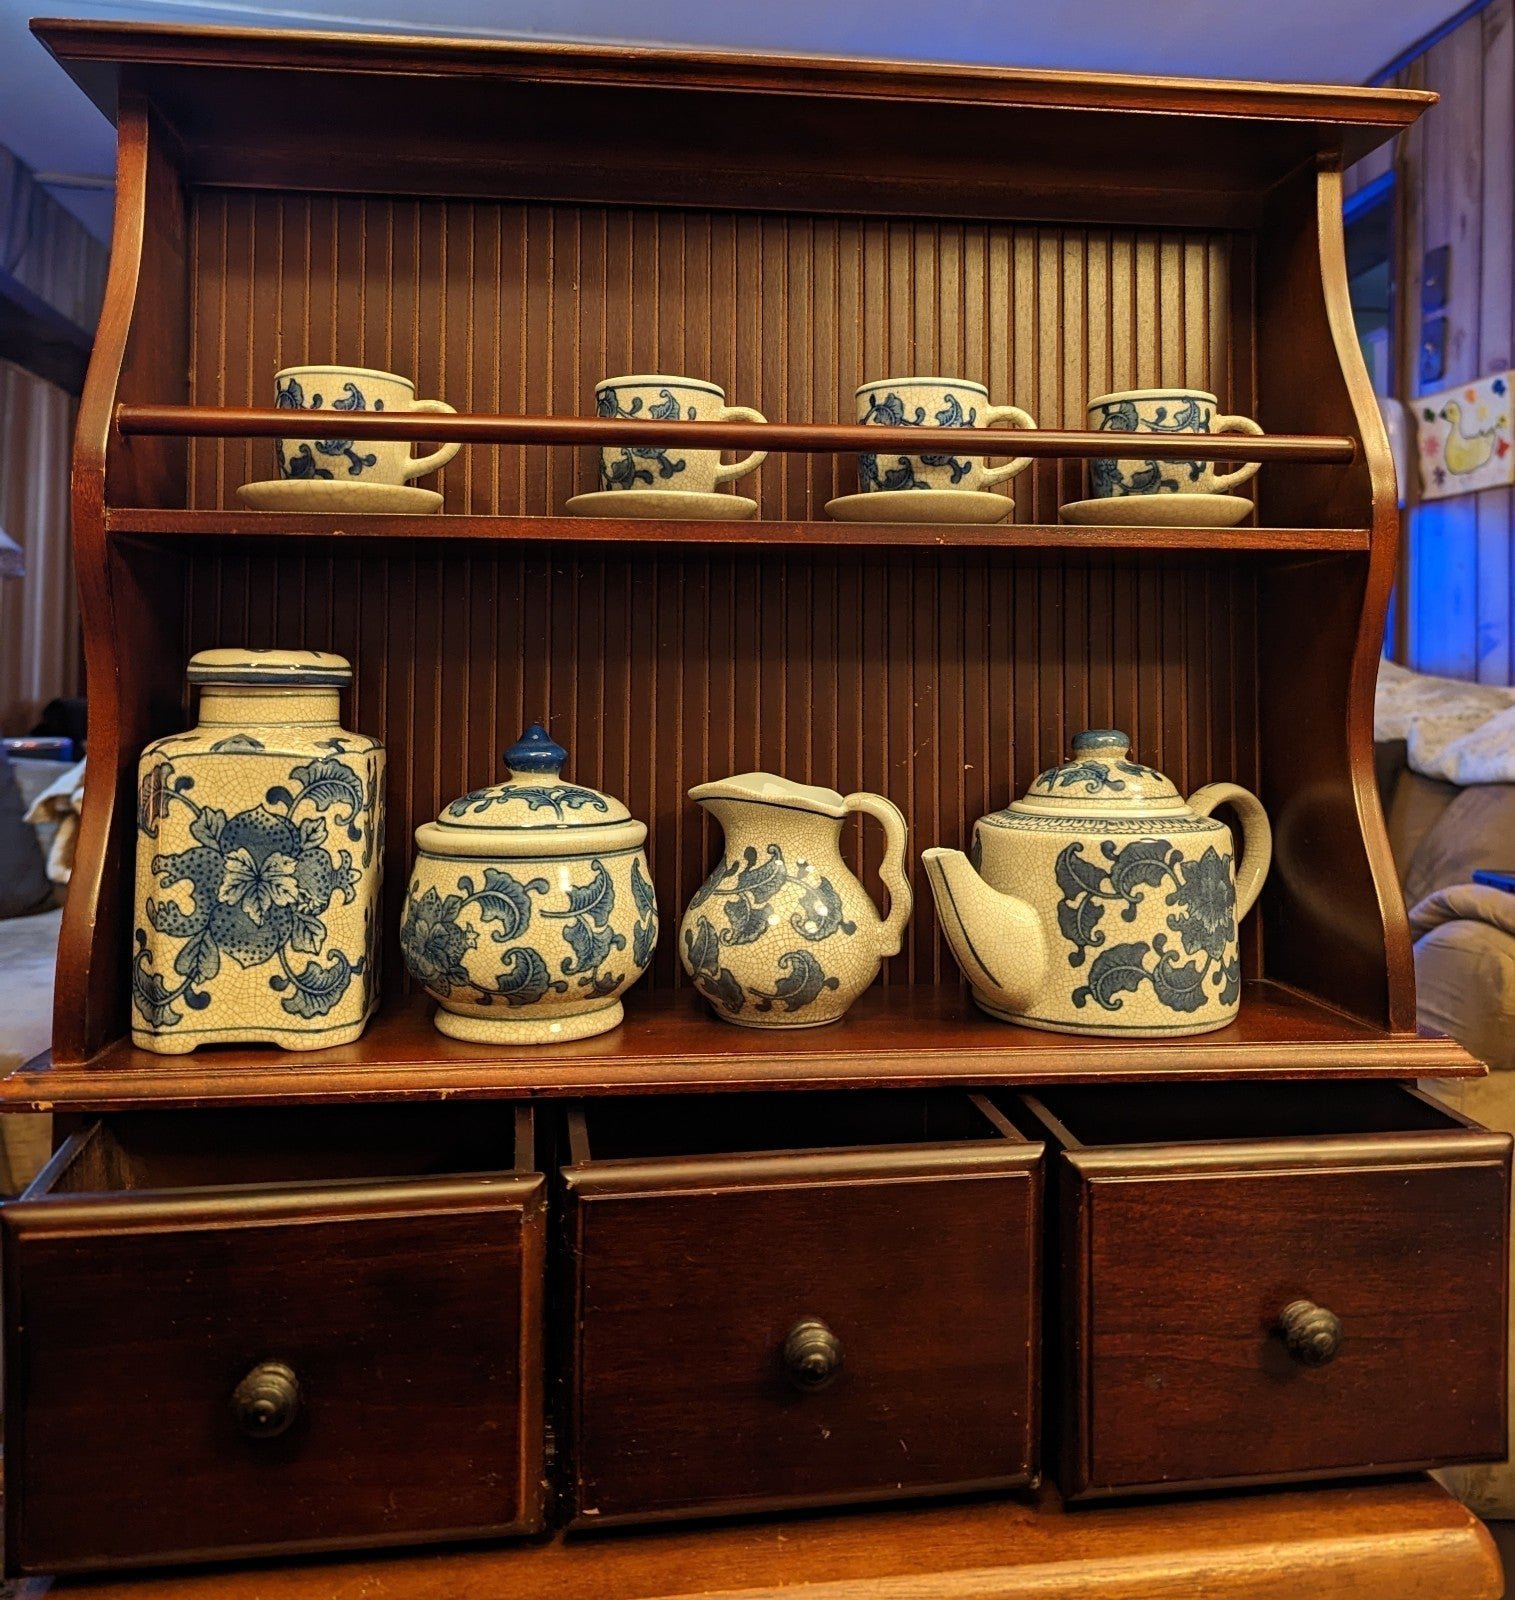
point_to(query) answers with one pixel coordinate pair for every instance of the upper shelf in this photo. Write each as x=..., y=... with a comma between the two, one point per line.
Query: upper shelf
x=900, y=1036
x=787, y=133
x=752, y=535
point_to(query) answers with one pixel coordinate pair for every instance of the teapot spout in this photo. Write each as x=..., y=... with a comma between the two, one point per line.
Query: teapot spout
x=997, y=939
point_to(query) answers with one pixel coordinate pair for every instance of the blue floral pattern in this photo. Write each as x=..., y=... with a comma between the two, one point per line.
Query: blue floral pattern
x=1203, y=899
x=619, y=469
x=260, y=884
x=554, y=797
x=289, y=395
x=434, y=940
x=890, y=412
x=1182, y=414
x=1094, y=776
x=746, y=890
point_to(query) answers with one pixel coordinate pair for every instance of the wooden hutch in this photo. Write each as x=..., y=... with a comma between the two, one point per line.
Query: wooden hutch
x=508, y=223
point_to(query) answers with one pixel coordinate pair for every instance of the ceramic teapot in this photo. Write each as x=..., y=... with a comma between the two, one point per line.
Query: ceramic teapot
x=1103, y=902
x=781, y=934
x=530, y=909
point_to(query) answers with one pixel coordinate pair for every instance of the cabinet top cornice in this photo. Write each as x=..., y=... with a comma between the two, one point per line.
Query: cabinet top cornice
x=96, y=52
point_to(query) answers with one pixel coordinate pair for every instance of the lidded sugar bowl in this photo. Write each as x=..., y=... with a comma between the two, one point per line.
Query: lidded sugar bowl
x=530, y=909
x=1103, y=902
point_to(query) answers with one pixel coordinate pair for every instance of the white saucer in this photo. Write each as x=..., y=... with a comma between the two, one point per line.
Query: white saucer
x=330, y=494
x=663, y=505
x=921, y=505
x=1159, y=511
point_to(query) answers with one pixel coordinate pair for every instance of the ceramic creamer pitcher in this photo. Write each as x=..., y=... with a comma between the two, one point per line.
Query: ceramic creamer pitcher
x=1103, y=902
x=781, y=934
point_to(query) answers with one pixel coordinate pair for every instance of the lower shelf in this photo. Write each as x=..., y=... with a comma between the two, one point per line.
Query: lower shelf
x=1403, y=1540
x=670, y=1041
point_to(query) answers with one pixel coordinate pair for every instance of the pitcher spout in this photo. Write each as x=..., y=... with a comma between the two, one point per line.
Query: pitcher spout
x=997, y=939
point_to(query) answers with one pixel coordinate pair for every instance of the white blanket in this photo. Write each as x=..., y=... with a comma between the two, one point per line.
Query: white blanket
x=1461, y=732
x=60, y=804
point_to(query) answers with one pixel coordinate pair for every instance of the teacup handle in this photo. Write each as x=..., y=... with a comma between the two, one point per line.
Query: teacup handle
x=891, y=868
x=1232, y=480
x=1256, y=831
x=1017, y=418
x=419, y=466
x=737, y=469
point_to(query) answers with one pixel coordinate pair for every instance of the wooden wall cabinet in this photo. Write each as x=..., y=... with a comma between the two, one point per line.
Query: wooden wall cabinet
x=506, y=224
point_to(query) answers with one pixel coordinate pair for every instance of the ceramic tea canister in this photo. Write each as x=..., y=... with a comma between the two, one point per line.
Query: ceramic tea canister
x=530, y=909
x=781, y=934
x=259, y=855
x=1103, y=902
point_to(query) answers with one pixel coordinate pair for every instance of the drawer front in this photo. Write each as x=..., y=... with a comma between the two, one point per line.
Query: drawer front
x=682, y=1401
x=409, y=1315
x=1178, y=1365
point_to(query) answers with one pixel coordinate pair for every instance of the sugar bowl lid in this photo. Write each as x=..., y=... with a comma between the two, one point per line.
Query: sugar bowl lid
x=532, y=813
x=270, y=669
x=1101, y=778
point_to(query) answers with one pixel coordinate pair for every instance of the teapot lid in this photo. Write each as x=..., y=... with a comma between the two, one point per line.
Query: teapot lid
x=532, y=812
x=1101, y=777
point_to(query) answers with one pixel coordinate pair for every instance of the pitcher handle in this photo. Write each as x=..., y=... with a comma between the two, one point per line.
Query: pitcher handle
x=1257, y=837
x=892, y=867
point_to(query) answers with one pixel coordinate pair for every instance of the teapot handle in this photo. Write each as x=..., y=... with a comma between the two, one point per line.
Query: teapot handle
x=1257, y=837
x=892, y=867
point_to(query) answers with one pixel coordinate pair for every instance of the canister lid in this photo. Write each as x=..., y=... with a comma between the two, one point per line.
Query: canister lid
x=286, y=669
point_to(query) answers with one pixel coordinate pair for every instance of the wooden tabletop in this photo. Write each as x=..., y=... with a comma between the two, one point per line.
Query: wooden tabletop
x=1403, y=1540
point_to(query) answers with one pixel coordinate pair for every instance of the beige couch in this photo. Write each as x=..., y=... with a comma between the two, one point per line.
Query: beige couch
x=1464, y=969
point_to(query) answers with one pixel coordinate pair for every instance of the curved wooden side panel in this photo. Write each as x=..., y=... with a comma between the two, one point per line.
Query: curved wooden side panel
x=131, y=602
x=1335, y=924
x=1383, y=552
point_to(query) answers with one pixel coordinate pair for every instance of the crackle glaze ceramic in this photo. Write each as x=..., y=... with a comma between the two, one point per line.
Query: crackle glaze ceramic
x=530, y=910
x=377, y=461
x=1103, y=902
x=781, y=934
x=260, y=839
x=664, y=397
x=1163, y=411
x=932, y=403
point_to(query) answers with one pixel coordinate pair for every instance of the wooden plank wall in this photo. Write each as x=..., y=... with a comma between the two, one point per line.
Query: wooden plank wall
x=1456, y=185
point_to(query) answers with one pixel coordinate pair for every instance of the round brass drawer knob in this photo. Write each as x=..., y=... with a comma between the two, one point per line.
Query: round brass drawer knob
x=812, y=1355
x=266, y=1400
x=1312, y=1334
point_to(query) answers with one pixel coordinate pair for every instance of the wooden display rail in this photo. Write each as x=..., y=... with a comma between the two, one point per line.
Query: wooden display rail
x=252, y=422
x=1401, y=1540
x=200, y=524
x=898, y=1037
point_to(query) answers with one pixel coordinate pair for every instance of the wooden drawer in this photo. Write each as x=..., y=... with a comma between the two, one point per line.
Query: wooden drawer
x=784, y=1300
x=389, y=1259
x=1194, y=1228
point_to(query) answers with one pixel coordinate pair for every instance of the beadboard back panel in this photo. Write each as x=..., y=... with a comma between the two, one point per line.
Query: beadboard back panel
x=520, y=308
x=946, y=681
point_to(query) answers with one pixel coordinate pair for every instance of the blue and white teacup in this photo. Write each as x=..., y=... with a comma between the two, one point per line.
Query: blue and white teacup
x=334, y=388
x=932, y=403
x=1163, y=411
x=664, y=397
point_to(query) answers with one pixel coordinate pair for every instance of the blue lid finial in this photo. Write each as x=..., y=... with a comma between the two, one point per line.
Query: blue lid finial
x=536, y=752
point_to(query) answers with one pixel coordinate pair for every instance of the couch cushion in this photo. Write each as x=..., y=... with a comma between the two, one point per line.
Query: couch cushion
x=23, y=875
x=1465, y=987
x=1415, y=807
x=1477, y=829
